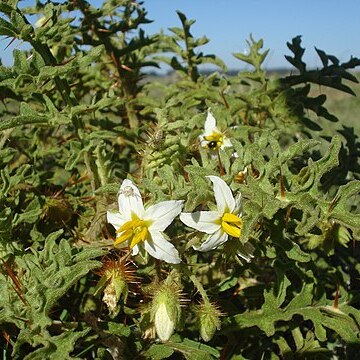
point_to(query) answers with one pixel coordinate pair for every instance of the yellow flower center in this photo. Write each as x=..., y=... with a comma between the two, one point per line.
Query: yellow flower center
x=135, y=230
x=231, y=224
x=215, y=140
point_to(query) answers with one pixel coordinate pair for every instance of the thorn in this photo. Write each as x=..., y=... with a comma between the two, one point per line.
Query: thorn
x=7, y=338
x=287, y=217
x=45, y=82
x=115, y=60
x=66, y=61
x=44, y=24
x=74, y=84
x=282, y=187
x=224, y=99
x=126, y=68
x=333, y=202
x=17, y=284
x=5, y=38
x=104, y=30
x=186, y=174
x=13, y=39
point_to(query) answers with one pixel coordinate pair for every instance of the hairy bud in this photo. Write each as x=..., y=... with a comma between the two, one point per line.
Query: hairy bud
x=166, y=308
x=209, y=320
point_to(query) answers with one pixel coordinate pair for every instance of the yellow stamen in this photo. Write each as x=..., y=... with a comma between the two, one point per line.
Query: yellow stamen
x=231, y=224
x=139, y=236
x=135, y=230
x=215, y=140
x=134, y=223
x=214, y=137
x=231, y=218
x=126, y=235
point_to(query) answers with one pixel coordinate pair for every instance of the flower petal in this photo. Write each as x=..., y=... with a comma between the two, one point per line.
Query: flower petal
x=245, y=251
x=115, y=219
x=204, y=221
x=163, y=214
x=213, y=241
x=226, y=143
x=161, y=249
x=210, y=124
x=135, y=250
x=224, y=198
x=130, y=199
x=202, y=141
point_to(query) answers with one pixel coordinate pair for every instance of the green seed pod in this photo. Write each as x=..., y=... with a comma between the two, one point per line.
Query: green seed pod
x=165, y=307
x=209, y=320
x=166, y=311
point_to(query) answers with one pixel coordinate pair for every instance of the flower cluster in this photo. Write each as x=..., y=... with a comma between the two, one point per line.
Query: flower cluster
x=142, y=229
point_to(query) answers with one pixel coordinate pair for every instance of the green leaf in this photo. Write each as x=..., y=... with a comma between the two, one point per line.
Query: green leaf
x=5, y=225
x=108, y=189
x=298, y=52
x=7, y=29
x=22, y=120
x=31, y=214
x=57, y=347
x=76, y=153
x=6, y=8
x=46, y=276
x=50, y=72
x=159, y=352
x=192, y=350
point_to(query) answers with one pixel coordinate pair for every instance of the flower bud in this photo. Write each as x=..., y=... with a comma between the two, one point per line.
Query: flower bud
x=166, y=312
x=209, y=320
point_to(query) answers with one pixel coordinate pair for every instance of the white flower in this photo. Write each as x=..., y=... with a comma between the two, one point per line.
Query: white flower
x=213, y=138
x=141, y=227
x=220, y=224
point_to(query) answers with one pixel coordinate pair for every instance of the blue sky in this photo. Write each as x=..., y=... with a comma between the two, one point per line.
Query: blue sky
x=330, y=25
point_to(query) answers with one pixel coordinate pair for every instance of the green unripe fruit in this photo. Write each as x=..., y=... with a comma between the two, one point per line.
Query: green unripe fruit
x=166, y=311
x=209, y=320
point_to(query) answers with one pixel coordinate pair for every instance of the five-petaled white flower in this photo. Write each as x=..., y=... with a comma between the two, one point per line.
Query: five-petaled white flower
x=220, y=224
x=141, y=227
x=213, y=138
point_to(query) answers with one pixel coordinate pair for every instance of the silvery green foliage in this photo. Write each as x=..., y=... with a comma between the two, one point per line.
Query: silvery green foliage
x=78, y=115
